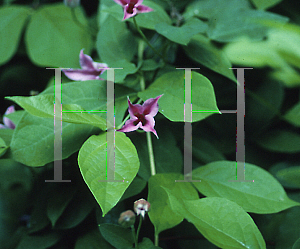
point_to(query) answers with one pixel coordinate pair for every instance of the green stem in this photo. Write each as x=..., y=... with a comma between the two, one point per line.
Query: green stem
x=151, y=155
x=134, y=237
x=138, y=232
x=145, y=39
x=156, y=239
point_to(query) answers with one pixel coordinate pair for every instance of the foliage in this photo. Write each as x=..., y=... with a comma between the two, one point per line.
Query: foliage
x=149, y=52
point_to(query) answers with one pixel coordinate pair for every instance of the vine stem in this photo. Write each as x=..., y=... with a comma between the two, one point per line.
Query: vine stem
x=146, y=40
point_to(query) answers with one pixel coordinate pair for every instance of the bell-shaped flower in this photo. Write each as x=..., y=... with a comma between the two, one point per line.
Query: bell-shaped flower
x=141, y=207
x=133, y=7
x=127, y=218
x=142, y=116
x=8, y=124
x=90, y=70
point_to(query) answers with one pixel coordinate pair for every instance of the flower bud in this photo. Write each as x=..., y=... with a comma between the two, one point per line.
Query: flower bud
x=127, y=218
x=141, y=207
x=72, y=3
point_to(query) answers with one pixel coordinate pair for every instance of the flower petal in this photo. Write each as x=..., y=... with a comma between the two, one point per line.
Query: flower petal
x=100, y=66
x=151, y=107
x=143, y=9
x=138, y=2
x=8, y=123
x=149, y=126
x=129, y=126
x=134, y=109
x=9, y=110
x=127, y=12
x=81, y=74
x=122, y=2
x=86, y=62
x=2, y=126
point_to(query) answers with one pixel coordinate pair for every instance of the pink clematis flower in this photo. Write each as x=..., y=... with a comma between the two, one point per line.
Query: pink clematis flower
x=142, y=116
x=133, y=7
x=8, y=124
x=90, y=69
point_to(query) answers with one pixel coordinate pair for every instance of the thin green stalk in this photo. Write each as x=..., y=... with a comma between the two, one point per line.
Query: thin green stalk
x=156, y=239
x=134, y=237
x=146, y=40
x=138, y=231
x=151, y=155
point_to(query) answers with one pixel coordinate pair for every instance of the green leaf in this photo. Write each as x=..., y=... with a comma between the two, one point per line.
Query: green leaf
x=171, y=104
x=144, y=20
x=201, y=50
x=115, y=42
x=15, y=116
x=12, y=19
x=278, y=51
x=136, y=187
x=283, y=141
x=147, y=244
x=119, y=237
x=120, y=74
x=264, y=195
x=93, y=167
x=76, y=211
x=290, y=175
x=161, y=214
x=248, y=22
x=297, y=244
x=221, y=221
x=265, y=4
x=58, y=201
x=208, y=9
x=6, y=135
x=92, y=240
x=16, y=180
x=78, y=96
x=39, y=241
x=54, y=39
x=92, y=95
x=42, y=106
x=183, y=34
x=150, y=65
x=3, y=147
x=38, y=217
x=293, y=115
x=168, y=157
x=268, y=99
x=205, y=151
x=33, y=139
